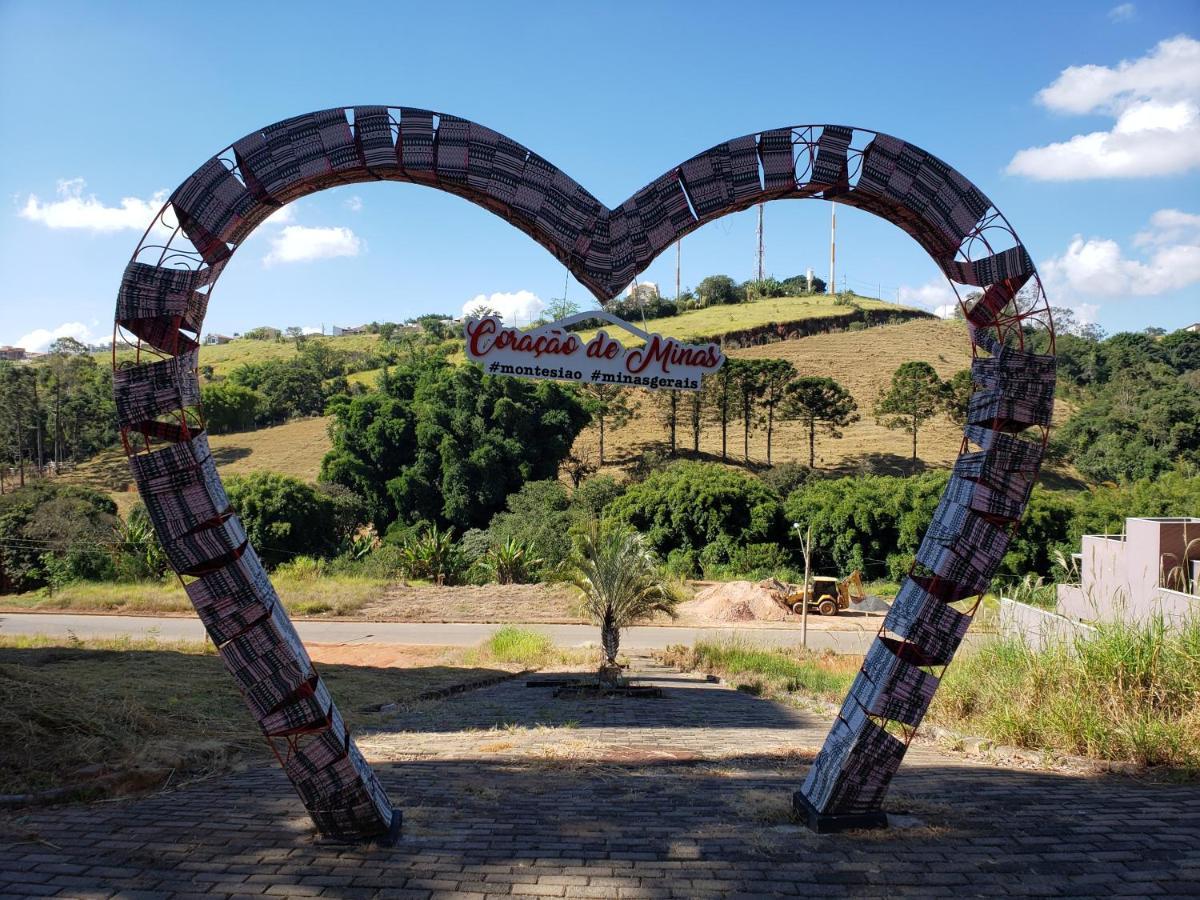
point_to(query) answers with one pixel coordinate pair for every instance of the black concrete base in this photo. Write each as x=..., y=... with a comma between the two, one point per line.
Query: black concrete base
x=389, y=838
x=829, y=823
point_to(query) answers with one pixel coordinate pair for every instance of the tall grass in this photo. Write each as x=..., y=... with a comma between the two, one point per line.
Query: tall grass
x=770, y=672
x=1129, y=693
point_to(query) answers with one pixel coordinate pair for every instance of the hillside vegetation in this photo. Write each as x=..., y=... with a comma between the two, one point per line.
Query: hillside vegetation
x=294, y=448
x=224, y=358
x=713, y=321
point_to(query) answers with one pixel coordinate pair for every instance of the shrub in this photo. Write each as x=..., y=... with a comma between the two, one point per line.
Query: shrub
x=433, y=556
x=784, y=478
x=702, y=507
x=285, y=517
x=55, y=534
x=230, y=407
x=510, y=563
x=538, y=517
x=593, y=496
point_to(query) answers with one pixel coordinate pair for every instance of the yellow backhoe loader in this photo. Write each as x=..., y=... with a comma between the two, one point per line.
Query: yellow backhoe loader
x=828, y=595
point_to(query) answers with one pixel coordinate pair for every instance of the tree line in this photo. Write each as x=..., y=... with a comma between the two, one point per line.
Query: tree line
x=57, y=411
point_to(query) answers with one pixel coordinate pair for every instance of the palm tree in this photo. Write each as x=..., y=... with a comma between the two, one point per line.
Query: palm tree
x=620, y=582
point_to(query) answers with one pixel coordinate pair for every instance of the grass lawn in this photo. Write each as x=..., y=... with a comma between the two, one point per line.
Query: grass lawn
x=769, y=672
x=71, y=711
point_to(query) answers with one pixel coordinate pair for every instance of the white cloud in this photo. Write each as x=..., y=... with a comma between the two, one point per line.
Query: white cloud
x=1098, y=267
x=285, y=215
x=1085, y=313
x=354, y=204
x=74, y=210
x=935, y=296
x=1154, y=102
x=40, y=339
x=1122, y=13
x=516, y=308
x=299, y=243
x=311, y=329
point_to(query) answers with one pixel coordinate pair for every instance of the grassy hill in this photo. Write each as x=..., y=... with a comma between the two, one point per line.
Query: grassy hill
x=863, y=361
x=226, y=357
x=294, y=448
x=716, y=320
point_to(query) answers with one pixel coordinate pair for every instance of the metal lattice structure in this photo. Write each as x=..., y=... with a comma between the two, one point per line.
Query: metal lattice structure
x=167, y=285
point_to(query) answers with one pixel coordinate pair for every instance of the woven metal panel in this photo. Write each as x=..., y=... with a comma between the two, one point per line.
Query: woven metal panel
x=146, y=391
x=927, y=622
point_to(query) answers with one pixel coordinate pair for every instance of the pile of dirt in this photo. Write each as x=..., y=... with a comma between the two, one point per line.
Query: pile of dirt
x=739, y=601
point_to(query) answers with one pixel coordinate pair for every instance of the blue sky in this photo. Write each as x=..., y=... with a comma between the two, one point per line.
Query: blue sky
x=1080, y=120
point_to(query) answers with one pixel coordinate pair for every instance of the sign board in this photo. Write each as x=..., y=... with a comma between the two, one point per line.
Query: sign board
x=553, y=353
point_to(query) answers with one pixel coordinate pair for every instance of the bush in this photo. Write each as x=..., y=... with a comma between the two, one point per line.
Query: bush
x=702, y=507
x=1130, y=693
x=538, y=517
x=784, y=478
x=230, y=407
x=873, y=523
x=448, y=444
x=433, y=556
x=53, y=534
x=593, y=496
x=285, y=517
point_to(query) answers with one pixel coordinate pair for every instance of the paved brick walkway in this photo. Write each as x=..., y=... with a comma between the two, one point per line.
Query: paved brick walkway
x=509, y=792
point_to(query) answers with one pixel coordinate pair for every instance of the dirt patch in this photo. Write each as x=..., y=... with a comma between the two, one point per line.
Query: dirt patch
x=540, y=603
x=739, y=601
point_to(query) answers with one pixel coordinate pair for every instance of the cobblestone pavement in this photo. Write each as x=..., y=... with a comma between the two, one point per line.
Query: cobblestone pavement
x=509, y=792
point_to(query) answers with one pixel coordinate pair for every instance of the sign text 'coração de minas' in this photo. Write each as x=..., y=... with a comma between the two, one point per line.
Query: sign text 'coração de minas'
x=551, y=352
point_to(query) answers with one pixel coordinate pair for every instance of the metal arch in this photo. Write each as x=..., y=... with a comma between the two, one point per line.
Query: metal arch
x=167, y=285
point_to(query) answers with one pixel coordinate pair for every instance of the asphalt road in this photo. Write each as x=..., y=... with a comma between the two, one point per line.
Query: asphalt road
x=643, y=637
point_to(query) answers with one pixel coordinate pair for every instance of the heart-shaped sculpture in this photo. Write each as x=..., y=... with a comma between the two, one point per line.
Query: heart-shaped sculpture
x=165, y=290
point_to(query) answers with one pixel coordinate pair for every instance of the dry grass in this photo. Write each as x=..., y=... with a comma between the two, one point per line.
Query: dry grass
x=294, y=448
x=863, y=361
x=74, y=711
x=333, y=595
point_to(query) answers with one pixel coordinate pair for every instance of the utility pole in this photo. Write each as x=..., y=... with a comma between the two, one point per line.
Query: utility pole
x=678, y=254
x=760, y=241
x=833, y=250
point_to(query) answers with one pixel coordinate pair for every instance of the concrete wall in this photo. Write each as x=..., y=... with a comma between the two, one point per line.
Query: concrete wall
x=1122, y=577
x=1039, y=628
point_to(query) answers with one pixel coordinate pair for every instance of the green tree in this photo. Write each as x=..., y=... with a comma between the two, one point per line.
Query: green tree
x=749, y=385
x=285, y=517
x=447, y=444
x=700, y=510
x=610, y=406
x=776, y=374
x=230, y=407
x=913, y=398
x=819, y=402
x=956, y=395
x=718, y=289
x=54, y=533
x=720, y=395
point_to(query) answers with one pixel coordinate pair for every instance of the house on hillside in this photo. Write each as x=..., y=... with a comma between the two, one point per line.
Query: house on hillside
x=338, y=331
x=1151, y=569
x=1195, y=327
x=12, y=353
x=213, y=338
